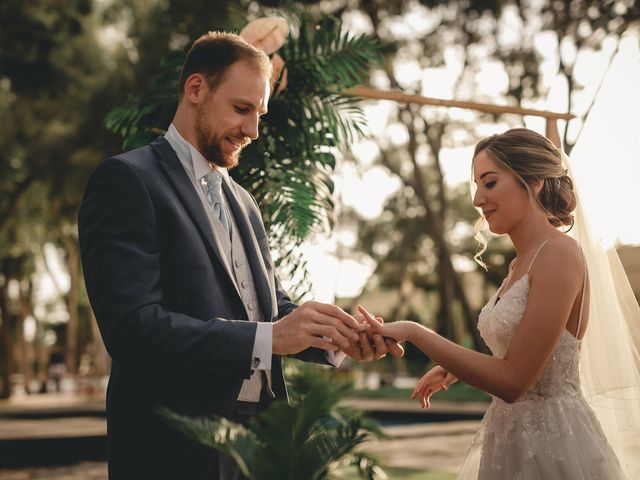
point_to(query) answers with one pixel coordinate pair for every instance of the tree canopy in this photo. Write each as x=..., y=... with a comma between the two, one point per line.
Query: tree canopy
x=65, y=66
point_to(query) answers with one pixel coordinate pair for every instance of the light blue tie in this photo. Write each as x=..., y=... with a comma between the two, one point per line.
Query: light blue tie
x=213, y=181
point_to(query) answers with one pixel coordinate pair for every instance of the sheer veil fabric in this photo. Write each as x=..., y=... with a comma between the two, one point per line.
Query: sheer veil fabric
x=602, y=160
x=610, y=364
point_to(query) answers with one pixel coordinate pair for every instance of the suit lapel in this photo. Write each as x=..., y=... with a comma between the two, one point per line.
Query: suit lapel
x=193, y=205
x=252, y=249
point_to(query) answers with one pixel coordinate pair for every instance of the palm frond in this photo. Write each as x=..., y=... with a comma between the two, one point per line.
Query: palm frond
x=218, y=433
x=141, y=116
x=309, y=438
x=367, y=466
x=324, y=58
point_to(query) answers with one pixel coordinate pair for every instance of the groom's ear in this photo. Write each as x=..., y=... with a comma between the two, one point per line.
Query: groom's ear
x=196, y=88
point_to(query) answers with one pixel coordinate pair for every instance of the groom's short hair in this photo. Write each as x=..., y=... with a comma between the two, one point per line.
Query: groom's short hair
x=214, y=52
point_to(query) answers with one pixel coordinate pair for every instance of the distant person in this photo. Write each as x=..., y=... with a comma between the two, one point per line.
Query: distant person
x=56, y=369
x=539, y=425
x=178, y=270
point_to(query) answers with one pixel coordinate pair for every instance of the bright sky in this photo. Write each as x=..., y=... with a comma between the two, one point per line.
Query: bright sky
x=606, y=159
x=608, y=154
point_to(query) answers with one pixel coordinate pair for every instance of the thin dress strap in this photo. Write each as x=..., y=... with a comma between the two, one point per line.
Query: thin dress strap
x=537, y=252
x=584, y=285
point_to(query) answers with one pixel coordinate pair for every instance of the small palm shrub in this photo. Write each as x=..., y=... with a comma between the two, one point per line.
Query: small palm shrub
x=309, y=438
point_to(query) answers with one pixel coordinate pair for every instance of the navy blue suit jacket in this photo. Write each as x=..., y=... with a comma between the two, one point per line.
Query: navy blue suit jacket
x=168, y=311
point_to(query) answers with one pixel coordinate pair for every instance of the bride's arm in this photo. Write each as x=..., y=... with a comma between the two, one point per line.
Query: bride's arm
x=556, y=279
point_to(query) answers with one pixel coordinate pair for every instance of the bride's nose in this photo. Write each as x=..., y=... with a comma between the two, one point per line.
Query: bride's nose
x=478, y=199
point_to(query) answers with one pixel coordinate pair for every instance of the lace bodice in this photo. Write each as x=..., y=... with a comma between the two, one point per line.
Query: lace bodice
x=498, y=322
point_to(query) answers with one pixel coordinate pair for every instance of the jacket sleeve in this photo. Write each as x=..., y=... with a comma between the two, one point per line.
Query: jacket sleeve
x=121, y=259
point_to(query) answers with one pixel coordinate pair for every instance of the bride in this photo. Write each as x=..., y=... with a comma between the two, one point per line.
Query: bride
x=539, y=424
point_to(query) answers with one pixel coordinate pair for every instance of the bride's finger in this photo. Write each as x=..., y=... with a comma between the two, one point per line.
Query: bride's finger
x=369, y=318
x=426, y=380
x=420, y=399
x=425, y=399
x=420, y=386
x=364, y=313
x=416, y=392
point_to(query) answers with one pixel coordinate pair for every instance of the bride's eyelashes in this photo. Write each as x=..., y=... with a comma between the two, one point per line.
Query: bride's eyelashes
x=490, y=185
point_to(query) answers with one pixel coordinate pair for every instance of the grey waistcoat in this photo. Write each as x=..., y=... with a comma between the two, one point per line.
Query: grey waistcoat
x=236, y=258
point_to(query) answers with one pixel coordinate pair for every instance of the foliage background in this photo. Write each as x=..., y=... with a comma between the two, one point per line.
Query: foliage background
x=65, y=65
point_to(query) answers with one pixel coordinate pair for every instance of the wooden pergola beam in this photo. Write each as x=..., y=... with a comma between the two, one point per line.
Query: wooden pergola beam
x=396, y=96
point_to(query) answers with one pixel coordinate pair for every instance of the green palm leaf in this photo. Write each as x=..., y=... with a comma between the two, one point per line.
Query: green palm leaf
x=218, y=433
x=310, y=438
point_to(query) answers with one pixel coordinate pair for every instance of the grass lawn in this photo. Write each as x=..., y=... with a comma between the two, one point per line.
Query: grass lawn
x=459, y=392
x=404, y=474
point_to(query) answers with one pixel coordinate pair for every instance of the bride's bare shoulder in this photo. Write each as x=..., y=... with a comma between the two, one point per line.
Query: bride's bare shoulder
x=561, y=254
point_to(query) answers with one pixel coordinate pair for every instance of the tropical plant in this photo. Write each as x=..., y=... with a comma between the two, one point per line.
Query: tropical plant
x=311, y=437
x=288, y=168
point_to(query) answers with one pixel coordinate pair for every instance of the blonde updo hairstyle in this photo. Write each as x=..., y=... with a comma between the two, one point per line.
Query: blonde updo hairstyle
x=531, y=157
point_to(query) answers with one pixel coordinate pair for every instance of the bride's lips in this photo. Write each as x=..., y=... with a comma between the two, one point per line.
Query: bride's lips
x=487, y=214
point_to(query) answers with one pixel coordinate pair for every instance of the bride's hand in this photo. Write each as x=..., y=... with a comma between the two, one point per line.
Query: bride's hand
x=372, y=347
x=399, y=331
x=431, y=382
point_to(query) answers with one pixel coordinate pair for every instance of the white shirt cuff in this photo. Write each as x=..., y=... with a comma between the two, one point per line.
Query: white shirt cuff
x=336, y=358
x=262, y=347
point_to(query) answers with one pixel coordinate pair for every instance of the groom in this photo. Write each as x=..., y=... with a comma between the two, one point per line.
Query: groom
x=179, y=274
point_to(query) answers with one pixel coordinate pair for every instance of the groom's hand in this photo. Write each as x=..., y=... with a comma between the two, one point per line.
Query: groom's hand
x=373, y=347
x=315, y=324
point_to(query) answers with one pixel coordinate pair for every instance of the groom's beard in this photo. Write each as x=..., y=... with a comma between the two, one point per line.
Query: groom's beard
x=210, y=144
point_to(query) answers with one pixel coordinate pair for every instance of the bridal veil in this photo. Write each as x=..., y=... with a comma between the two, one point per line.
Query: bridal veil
x=605, y=167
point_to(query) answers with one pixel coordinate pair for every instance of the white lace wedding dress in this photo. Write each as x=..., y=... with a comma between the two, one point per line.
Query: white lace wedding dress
x=550, y=433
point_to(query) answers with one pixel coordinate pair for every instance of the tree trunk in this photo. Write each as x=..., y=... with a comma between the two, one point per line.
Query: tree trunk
x=24, y=347
x=445, y=312
x=41, y=354
x=73, y=266
x=5, y=341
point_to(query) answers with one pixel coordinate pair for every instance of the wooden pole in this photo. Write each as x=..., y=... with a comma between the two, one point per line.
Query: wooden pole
x=368, y=92
x=552, y=132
